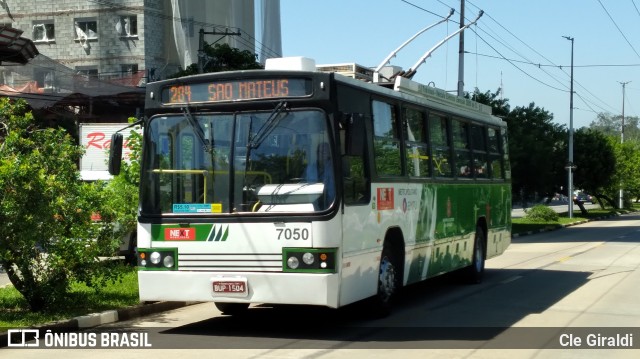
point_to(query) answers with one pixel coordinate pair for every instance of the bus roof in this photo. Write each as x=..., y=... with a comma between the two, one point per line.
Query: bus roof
x=428, y=96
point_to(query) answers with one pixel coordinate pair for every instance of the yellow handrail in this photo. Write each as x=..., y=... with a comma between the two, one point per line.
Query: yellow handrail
x=204, y=174
x=200, y=172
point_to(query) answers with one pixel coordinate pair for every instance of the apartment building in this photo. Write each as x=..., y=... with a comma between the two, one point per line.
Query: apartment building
x=95, y=55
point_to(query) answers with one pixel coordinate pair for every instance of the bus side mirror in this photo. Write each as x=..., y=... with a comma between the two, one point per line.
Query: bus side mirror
x=115, y=154
x=355, y=134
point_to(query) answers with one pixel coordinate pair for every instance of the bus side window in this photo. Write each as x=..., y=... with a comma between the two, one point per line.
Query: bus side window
x=386, y=140
x=439, y=137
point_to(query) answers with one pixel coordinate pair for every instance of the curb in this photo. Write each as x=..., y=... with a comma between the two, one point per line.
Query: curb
x=560, y=226
x=106, y=317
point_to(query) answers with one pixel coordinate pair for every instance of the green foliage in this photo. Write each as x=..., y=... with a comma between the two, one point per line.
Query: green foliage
x=222, y=57
x=542, y=213
x=610, y=126
x=595, y=158
x=121, y=193
x=47, y=238
x=535, y=146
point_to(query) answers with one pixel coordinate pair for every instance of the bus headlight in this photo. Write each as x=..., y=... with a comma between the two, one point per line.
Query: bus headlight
x=157, y=259
x=293, y=262
x=309, y=260
x=168, y=261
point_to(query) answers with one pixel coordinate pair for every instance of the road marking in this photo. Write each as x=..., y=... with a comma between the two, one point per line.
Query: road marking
x=508, y=280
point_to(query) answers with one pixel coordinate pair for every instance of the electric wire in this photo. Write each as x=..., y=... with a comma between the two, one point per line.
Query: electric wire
x=618, y=27
x=503, y=42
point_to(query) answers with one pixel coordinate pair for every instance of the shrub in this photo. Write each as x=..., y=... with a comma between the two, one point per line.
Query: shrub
x=542, y=213
x=47, y=238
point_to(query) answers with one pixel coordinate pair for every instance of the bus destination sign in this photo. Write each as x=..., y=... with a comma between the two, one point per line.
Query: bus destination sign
x=236, y=90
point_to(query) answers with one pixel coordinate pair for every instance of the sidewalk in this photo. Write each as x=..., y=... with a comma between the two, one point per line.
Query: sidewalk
x=96, y=319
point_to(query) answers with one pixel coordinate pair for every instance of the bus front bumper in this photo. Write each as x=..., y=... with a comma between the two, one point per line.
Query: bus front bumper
x=240, y=287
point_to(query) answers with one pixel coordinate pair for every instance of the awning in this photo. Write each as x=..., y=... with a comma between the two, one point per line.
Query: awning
x=14, y=48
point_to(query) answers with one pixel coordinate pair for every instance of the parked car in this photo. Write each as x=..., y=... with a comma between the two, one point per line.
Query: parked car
x=583, y=197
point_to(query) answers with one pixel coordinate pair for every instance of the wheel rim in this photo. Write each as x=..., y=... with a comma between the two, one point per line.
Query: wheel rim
x=387, y=279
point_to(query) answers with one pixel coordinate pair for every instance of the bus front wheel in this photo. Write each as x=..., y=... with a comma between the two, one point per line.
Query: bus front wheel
x=388, y=283
x=232, y=308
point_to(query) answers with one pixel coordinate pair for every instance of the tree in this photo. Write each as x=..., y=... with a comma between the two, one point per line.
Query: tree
x=627, y=155
x=627, y=167
x=499, y=106
x=595, y=158
x=222, y=57
x=611, y=126
x=122, y=191
x=536, y=151
x=47, y=239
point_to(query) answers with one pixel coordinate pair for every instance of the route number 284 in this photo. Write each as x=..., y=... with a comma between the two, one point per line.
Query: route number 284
x=293, y=234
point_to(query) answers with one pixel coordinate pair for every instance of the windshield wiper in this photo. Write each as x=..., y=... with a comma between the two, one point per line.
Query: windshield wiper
x=269, y=125
x=197, y=129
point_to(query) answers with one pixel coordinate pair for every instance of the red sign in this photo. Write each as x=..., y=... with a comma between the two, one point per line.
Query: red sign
x=180, y=234
x=385, y=198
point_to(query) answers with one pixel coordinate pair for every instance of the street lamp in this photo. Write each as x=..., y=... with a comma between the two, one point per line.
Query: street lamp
x=621, y=199
x=570, y=165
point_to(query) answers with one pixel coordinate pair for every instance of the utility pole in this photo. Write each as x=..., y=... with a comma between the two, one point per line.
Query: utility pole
x=621, y=200
x=201, y=54
x=570, y=165
x=461, y=53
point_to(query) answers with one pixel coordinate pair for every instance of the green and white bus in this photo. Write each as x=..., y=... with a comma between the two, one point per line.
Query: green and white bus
x=297, y=186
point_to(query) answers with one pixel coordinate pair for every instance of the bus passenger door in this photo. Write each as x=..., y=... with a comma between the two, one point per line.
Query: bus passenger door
x=360, y=255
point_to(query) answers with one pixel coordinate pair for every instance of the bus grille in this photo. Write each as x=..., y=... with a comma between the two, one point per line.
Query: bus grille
x=230, y=262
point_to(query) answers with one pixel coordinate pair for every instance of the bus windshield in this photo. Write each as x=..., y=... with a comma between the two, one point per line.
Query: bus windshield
x=267, y=162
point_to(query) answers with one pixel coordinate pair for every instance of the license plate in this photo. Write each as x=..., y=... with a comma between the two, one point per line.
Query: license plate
x=229, y=287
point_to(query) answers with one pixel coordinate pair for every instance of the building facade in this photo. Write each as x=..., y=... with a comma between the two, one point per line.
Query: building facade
x=99, y=48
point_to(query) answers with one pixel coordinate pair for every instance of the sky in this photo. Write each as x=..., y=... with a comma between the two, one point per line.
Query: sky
x=517, y=46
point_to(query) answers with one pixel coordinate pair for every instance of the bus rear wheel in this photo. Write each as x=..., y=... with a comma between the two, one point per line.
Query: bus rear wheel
x=473, y=273
x=232, y=308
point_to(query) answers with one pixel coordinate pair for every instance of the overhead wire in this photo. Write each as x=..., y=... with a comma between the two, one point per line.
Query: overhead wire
x=494, y=49
x=577, y=83
x=487, y=29
x=636, y=7
x=618, y=27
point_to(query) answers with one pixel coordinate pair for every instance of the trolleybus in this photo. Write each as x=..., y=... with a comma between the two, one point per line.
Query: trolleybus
x=296, y=186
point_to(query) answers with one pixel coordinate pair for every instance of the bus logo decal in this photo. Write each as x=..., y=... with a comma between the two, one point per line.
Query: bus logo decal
x=385, y=198
x=219, y=235
x=180, y=234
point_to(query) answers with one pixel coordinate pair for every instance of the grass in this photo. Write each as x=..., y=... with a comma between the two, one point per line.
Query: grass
x=524, y=225
x=15, y=313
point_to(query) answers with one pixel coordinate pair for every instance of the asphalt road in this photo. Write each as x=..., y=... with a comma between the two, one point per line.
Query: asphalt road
x=543, y=298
